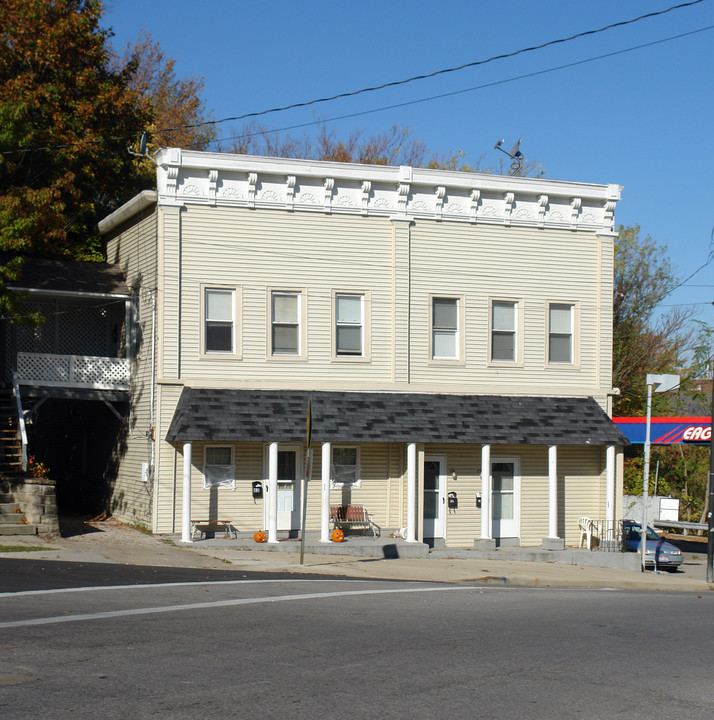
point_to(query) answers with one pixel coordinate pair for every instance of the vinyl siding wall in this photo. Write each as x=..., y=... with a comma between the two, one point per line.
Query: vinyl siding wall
x=134, y=248
x=256, y=251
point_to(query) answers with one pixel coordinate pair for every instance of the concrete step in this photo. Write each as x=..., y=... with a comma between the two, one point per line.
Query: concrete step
x=12, y=519
x=18, y=529
x=8, y=507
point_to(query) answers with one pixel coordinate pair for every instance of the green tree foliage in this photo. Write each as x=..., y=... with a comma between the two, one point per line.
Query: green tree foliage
x=644, y=341
x=65, y=114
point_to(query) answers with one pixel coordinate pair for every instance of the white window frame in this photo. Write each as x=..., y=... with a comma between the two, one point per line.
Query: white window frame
x=458, y=358
x=301, y=296
x=365, y=297
x=518, y=332
x=235, y=351
x=228, y=484
x=357, y=482
x=574, y=334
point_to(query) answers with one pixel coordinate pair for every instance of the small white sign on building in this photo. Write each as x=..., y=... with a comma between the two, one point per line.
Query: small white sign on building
x=669, y=509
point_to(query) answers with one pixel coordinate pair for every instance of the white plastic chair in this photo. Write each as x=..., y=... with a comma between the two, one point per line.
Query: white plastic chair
x=586, y=531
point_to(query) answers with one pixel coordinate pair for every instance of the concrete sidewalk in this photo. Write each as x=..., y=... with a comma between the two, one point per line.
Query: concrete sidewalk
x=113, y=542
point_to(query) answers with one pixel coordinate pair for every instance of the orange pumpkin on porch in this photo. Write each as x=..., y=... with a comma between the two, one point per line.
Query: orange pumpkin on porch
x=337, y=535
x=260, y=537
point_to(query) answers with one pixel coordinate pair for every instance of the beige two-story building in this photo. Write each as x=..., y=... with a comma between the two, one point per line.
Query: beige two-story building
x=451, y=332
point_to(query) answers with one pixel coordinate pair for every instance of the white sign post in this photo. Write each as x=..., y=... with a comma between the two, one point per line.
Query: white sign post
x=660, y=383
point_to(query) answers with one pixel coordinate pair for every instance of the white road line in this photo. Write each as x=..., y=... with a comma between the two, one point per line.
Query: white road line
x=92, y=588
x=226, y=603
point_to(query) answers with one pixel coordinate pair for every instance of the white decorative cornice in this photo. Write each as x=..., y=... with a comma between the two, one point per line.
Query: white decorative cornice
x=187, y=176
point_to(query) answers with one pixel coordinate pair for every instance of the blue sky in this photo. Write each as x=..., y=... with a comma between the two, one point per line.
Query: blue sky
x=642, y=119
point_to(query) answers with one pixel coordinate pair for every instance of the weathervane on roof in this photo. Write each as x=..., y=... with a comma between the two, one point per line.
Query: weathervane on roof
x=515, y=154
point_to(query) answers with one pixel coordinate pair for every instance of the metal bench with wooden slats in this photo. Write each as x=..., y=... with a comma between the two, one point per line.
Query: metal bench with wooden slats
x=353, y=517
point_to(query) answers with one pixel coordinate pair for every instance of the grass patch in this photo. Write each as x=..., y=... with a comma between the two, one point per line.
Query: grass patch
x=167, y=541
x=141, y=528
x=21, y=548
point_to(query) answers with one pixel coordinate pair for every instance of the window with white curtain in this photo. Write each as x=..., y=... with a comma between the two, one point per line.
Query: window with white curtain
x=285, y=323
x=349, y=324
x=444, y=328
x=504, y=322
x=219, y=328
x=560, y=333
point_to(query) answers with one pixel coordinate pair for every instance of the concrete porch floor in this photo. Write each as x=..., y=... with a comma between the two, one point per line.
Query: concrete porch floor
x=386, y=547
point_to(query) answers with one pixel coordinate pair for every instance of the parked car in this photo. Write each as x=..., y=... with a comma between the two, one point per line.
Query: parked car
x=659, y=554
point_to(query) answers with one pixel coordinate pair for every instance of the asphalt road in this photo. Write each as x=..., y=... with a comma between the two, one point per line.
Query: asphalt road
x=305, y=648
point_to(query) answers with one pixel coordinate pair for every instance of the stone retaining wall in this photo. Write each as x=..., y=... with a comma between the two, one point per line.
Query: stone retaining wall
x=38, y=500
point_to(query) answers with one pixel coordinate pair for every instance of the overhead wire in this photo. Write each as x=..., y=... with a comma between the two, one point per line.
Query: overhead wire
x=373, y=88
x=483, y=86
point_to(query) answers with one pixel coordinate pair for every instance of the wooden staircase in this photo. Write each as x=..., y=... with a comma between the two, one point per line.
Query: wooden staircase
x=12, y=519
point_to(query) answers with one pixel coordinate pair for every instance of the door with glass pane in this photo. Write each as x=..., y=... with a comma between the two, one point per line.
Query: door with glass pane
x=288, y=490
x=434, y=495
x=505, y=498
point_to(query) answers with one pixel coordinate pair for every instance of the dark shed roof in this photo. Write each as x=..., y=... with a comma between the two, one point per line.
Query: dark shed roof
x=214, y=415
x=51, y=274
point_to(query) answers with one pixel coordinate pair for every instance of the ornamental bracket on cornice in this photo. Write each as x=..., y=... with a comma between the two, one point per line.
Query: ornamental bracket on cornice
x=212, y=186
x=609, y=219
x=542, y=207
x=440, y=195
x=329, y=186
x=475, y=197
x=403, y=197
x=290, y=192
x=575, y=205
x=508, y=198
x=252, y=182
x=171, y=180
x=366, y=189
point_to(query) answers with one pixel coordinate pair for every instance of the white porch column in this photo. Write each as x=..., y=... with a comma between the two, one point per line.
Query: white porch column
x=610, y=492
x=553, y=491
x=411, y=492
x=273, y=493
x=486, y=492
x=186, y=510
x=325, y=510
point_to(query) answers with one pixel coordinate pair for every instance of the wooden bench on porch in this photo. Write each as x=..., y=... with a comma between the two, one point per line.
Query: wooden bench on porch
x=205, y=526
x=353, y=517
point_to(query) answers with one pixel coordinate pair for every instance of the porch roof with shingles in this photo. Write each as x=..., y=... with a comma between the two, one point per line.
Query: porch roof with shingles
x=66, y=276
x=215, y=415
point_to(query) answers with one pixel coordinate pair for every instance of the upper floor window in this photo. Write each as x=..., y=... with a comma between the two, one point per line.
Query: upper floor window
x=444, y=328
x=285, y=322
x=219, y=331
x=349, y=325
x=504, y=322
x=560, y=333
x=218, y=468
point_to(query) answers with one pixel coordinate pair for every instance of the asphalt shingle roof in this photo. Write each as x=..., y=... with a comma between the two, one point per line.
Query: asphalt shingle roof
x=52, y=274
x=214, y=415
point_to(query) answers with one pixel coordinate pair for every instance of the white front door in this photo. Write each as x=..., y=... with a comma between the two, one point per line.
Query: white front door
x=434, y=495
x=288, y=490
x=505, y=497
